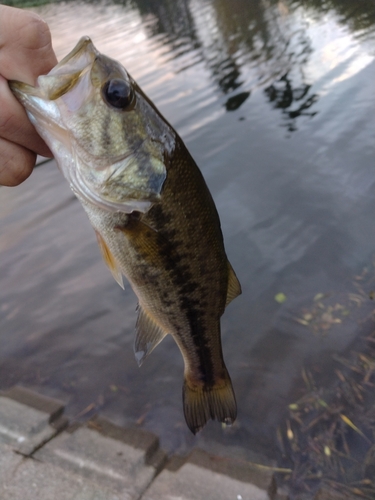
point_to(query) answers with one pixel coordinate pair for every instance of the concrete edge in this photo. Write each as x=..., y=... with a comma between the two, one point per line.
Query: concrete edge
x=137, y=438
x=53, y=407
x=240, y=470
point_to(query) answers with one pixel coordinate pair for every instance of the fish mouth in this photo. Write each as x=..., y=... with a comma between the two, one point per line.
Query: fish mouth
x=40, y=101
x=60, y=79
x=69, y=82
x=65, y=75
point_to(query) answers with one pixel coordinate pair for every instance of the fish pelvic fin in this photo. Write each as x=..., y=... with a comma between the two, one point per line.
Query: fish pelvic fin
x=148, y=335
x=234, y=287
x=203, y=403
x=109, y=259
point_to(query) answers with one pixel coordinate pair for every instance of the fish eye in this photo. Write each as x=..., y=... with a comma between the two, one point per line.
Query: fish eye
x=117, y=93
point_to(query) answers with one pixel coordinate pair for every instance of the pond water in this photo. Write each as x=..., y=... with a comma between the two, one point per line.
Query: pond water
x=275, y=102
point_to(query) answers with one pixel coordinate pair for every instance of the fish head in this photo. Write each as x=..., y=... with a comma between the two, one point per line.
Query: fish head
x=109, y=140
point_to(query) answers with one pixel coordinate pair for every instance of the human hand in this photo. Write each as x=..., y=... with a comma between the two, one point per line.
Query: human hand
x=25, y=53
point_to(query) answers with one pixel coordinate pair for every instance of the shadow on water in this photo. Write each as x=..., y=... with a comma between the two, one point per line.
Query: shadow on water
x=274, y=101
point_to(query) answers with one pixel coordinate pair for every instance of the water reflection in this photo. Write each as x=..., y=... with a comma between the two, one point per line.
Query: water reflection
x=288, y=99
x=246, y=45
x=358, y=17
x=296, y=211
x=235, y=101
x=270, y=38
x=172, y=18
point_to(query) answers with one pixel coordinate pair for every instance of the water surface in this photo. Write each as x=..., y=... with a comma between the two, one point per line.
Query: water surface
x=275, y=102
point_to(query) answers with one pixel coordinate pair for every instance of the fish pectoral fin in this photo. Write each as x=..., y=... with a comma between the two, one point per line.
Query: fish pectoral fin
x=203, y=403
x=234, y=287
x=153, y=245
x=109, y=259
x=148, y=335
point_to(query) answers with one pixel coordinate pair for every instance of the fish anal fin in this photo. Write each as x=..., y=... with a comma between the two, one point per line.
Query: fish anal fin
x=148, y=335
x=215, y=402
x=109, y=259
x=234, y=287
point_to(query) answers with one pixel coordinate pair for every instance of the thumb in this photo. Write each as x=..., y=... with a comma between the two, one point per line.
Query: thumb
x=25, y=45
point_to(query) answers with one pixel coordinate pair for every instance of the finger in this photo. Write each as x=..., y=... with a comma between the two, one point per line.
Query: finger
x=16, y=163
x=25, y=45
x=14, y=124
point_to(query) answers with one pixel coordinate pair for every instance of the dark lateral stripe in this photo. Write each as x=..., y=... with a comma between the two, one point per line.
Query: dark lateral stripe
x=182, y=278
x=199, y=335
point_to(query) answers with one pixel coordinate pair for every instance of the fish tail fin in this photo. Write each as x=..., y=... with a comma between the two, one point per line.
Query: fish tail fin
x=202, y=403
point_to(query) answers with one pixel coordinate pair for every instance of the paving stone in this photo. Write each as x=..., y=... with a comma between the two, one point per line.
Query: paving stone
x=123, y=468
x=53, y=407
x=25, y=428
x=192, y=483
x=207, y=477
x=136, y=438
x=33, y=480
x=241, y=470
x=9, y=461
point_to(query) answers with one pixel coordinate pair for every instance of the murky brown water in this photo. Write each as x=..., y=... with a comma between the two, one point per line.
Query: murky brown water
x=275, y=102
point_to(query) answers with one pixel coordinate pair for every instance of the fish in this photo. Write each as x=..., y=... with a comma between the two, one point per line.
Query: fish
x=153, y=215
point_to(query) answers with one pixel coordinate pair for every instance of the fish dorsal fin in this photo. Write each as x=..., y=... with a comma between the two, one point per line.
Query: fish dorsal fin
x=234, y=287
x=109, y=259
x=148, y=335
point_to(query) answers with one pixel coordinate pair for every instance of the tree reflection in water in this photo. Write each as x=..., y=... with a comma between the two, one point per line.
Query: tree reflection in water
x=284, y=96
x=250, y=44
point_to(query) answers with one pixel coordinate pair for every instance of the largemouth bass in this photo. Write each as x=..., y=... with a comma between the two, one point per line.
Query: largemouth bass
x=153, y=215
